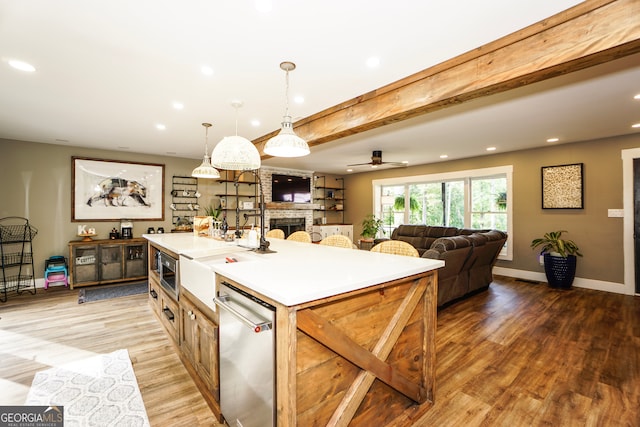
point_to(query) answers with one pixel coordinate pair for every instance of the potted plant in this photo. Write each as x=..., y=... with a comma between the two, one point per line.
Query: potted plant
x=560, y=257
x=370, y=227
x=501, y=201
x=212, y=212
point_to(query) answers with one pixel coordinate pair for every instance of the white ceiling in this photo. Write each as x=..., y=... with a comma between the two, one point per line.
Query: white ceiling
x=108, y=72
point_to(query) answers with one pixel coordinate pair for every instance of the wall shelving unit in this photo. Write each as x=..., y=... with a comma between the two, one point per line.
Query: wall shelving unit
x=183, y=195
x=331, y=200
x=245, y=190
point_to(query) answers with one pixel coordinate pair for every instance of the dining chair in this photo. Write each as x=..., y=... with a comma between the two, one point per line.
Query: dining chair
x=276, y=233
x=300, y=236
x=397, y=247
x=338, y=240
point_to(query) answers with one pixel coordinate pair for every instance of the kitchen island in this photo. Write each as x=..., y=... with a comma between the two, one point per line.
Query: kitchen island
x=354, y=330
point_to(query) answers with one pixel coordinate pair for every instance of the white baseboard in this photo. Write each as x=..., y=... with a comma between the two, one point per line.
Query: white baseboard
x=598, y=285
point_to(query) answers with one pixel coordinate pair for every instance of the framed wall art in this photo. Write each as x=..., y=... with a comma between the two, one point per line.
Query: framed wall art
x=562, y=187
x=110, y=190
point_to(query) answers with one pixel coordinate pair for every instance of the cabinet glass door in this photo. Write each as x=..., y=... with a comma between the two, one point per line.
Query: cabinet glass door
x=85, y=266
x=111, y=262
x=135, y=261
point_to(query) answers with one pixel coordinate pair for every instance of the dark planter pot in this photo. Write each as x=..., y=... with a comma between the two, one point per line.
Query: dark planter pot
x=560, y=271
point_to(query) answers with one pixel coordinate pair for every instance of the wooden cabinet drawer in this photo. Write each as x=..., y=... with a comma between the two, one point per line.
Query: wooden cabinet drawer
x=169, y=315
x=154, y=296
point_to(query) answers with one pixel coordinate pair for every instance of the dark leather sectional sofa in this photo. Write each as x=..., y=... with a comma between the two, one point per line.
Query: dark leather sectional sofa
x=469, y=256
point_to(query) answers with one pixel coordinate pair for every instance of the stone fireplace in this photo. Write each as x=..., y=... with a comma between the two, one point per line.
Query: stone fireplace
x=287, y=215
x=288, y=225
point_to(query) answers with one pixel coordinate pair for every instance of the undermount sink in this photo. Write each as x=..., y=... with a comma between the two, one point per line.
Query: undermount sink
x=238, y=256
x=197, y=276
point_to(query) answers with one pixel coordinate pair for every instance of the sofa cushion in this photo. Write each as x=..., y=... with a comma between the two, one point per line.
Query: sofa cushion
x=452, y=278
x=467, y=231
x=432, y=233
x=412, y=234
x=444, y=244
x=486, y=248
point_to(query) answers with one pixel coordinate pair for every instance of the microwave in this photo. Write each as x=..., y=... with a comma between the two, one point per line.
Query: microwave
x=168, y=270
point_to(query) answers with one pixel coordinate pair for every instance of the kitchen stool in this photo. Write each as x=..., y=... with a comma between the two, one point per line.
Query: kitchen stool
x=56, y=270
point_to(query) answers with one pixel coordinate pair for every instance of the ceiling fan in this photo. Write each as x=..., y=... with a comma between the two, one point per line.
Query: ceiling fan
x=376, y=160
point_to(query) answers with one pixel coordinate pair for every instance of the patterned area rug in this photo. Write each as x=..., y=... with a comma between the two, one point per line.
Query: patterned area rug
x=100, y=391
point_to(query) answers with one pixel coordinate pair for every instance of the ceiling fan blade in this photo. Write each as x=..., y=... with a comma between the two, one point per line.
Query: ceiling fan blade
x=395, y=163
x=361, y=164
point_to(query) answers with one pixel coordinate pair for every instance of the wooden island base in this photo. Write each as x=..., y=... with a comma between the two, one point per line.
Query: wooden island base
x=363, y=358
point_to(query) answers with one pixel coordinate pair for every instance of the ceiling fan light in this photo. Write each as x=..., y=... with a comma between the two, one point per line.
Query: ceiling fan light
x=286, y=143
x=235, y=153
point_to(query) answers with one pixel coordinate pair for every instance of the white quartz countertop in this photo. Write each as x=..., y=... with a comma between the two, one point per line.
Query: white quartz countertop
x=297, y=272
x=190, y=245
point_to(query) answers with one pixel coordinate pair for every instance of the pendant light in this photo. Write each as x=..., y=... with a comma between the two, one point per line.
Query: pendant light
x=205, y=170
x=286, y=143
x=235, y=152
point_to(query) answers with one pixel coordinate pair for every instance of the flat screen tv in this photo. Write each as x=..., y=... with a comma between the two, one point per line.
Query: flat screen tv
x=288, y=188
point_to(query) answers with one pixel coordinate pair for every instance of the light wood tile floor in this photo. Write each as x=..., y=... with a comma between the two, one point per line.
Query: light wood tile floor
x=520, y=354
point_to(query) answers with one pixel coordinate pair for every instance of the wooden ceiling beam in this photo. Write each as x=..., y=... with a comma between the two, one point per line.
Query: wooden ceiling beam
x=591, y=33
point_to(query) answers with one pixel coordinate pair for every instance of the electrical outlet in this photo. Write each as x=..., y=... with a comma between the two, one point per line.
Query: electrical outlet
x=541, y=259
x=615, y=213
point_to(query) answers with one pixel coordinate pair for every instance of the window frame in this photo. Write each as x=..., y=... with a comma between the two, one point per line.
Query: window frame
x=466, y=176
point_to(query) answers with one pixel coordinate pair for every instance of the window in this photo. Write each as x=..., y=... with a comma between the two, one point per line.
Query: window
x=489, y=203
x=465, y=199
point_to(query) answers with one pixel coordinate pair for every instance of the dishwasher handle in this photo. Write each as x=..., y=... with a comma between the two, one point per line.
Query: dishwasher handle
x=221, y=301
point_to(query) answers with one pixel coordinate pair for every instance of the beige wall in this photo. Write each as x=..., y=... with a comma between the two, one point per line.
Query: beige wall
x=600, y=238
x=37, y=184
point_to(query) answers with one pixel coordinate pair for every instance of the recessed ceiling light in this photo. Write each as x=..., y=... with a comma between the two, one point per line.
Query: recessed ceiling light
x=160, y=126
x=405, y=162
x=264, y=5
x=636, y=125
x=298, y=99
x=444, y=156
x=553, y=139
x=22, y=66
x=637, y=96
x=491, y=148
x=206, y=70
x=349, y=170
x=255, y=123
x=178, y=105
x=373, y=62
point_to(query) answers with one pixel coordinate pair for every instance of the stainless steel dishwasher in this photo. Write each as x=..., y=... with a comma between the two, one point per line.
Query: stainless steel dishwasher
x=247, y=366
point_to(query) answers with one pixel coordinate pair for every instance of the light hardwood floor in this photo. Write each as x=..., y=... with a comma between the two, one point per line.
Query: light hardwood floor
x=520, y=354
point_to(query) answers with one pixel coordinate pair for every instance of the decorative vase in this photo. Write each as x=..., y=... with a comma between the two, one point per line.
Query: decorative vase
x=560, y=271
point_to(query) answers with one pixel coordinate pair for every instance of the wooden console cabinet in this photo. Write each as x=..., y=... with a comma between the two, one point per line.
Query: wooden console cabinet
x=107, y=261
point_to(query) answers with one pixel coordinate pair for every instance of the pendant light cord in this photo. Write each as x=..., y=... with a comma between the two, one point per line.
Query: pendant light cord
x=286, y=94
x=206, y=140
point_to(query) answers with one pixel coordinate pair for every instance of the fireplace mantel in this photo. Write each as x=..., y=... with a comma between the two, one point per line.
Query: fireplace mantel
x=292, y=206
